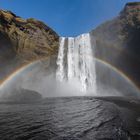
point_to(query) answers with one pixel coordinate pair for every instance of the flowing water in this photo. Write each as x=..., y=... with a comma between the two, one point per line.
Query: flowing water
x=72, y=118
x=76, y=62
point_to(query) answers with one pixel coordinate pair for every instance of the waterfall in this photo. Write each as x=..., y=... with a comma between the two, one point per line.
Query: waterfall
x=76, y=62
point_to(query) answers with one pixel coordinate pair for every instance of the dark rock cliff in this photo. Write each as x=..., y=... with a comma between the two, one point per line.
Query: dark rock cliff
x=118, y=41
x=23, y=41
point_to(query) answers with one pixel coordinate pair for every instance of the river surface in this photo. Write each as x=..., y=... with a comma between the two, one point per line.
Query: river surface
x=71, y=118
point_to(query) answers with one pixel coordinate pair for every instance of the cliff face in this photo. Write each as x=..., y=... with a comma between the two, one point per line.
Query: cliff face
x=123, y=31
x=23, y=41
x=118, y=41
x=130, y=20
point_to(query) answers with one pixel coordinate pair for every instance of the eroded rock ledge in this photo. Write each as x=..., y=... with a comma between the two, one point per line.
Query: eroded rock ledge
x=23, y=41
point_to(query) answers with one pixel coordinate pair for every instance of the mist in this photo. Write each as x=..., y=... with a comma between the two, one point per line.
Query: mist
x=76, y=71
x=41, y=77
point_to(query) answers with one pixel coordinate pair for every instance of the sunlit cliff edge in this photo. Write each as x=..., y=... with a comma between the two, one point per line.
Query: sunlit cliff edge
x=23, y=41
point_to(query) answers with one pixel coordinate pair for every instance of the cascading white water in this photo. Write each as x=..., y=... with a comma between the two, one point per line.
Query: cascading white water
x=76, y=62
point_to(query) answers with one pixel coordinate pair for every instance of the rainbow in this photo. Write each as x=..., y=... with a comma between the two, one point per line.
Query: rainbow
x=18, y=71
x=14, y=74
x=122, y=74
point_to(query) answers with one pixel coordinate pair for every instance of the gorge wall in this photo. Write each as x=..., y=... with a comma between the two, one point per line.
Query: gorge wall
x=118, y=41
x=24, y=41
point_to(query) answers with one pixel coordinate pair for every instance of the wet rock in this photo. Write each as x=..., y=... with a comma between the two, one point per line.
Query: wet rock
x=22, y=95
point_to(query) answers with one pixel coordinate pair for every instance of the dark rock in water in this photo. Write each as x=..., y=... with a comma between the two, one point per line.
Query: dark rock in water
x=23, y=95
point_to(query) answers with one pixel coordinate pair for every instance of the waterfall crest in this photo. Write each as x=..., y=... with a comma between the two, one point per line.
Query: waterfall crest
x=76, y=62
